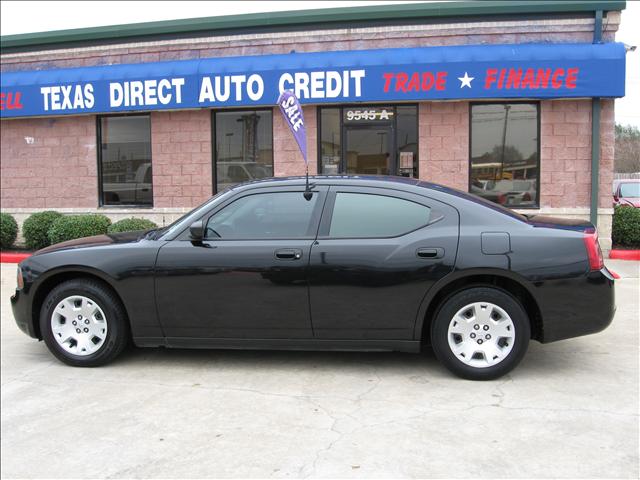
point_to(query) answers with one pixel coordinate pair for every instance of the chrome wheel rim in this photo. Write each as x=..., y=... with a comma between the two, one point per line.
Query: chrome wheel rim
x=481, y=334
x=79, y=325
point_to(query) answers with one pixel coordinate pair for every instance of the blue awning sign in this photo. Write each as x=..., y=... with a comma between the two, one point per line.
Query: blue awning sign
x=397, y=75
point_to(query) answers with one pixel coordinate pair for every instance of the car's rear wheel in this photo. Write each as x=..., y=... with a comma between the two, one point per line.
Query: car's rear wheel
x=83, y=323
x=480, y=333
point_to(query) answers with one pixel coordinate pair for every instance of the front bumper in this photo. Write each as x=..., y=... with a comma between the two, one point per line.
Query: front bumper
x=21, y=306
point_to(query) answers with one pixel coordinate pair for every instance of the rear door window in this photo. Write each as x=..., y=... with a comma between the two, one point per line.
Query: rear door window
x=363, y=215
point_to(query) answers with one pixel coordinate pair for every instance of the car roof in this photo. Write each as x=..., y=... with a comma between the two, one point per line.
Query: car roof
x=435, y=190
x=363, y=180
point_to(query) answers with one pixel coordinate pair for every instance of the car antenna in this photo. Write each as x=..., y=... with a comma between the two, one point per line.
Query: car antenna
x=308, y=194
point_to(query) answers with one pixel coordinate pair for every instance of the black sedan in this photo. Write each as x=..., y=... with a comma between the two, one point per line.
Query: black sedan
x=364, y=263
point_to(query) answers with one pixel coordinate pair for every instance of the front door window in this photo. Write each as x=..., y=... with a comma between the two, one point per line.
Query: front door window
x=262, y=216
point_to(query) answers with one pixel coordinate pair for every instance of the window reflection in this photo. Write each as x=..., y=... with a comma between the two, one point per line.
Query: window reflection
x=244, y=146
x=330, y=145
x=125, y=160
x=504, y=153
x=407, y=141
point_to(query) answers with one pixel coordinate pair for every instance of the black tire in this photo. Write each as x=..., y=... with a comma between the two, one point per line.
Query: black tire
x=447, y=311
x=117, y=326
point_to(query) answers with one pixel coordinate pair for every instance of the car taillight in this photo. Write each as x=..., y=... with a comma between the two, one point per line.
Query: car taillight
x=526, y=197
x=596, y=262
x=502, y=198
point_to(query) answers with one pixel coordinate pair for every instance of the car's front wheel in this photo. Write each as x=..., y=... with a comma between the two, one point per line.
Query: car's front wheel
x=480, y=333
x=83, y=323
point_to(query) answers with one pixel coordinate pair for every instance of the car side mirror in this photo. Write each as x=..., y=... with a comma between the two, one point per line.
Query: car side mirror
x=196, y=231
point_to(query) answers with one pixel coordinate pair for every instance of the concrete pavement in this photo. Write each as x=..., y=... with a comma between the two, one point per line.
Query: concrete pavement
x=569, y=410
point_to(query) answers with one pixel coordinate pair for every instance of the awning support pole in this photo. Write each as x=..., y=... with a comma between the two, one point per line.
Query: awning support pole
x=595, y=158
x=595, y=132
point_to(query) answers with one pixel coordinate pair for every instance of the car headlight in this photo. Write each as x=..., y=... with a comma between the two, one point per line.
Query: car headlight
x=20, y=280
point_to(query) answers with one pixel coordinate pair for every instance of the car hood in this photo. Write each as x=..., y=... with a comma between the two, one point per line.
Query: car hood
x=630, y=201
x=95, y=241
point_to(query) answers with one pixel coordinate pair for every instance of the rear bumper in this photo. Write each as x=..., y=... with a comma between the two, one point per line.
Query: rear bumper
x=576, y=307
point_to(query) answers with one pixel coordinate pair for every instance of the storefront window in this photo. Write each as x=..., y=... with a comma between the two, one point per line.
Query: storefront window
x=125, y=161
x=369, y=140
x=505, y=159
x=330, y=149
x=243, y=146
x=407, y=141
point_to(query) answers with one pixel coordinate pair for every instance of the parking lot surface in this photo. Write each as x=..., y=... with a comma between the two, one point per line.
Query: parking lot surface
x=569, y=410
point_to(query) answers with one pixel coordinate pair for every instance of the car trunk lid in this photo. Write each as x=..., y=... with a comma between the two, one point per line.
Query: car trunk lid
x=559, y=222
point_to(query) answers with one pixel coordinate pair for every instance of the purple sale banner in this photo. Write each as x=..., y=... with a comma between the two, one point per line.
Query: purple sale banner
x=292, y=112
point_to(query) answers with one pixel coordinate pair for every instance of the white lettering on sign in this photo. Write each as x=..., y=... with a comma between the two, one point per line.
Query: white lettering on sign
x=293, y=113
x=144, y=93
x=320, y=84
x=222, y=88
x=255, y=87
x=373, y=114
x=66, y=97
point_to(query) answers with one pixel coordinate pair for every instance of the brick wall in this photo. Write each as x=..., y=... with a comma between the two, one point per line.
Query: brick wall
x=48, y=163
x=181, y=158
x=463, y=33
x=443, y=130
x=565, y=161
x=287, y=158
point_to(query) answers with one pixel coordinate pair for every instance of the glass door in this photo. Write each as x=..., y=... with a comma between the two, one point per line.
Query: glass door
x=368, y=139
x=368, y=150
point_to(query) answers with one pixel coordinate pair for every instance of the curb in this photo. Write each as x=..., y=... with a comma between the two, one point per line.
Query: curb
x=625, y=254
x=6, y=257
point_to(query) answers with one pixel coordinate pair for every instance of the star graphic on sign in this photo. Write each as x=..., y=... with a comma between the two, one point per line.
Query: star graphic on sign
x=465, y=81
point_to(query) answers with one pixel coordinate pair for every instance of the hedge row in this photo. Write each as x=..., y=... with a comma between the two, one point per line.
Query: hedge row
x=8, y=230
x=131, y=225
x=46, y=228
x=70, y=227
x=626, y=226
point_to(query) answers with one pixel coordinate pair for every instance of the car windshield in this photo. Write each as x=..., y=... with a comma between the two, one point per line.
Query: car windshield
x=630, y=190
x=190, y=217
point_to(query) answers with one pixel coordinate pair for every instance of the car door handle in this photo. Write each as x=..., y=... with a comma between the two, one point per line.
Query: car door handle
x=430, y=252
x=289, y=254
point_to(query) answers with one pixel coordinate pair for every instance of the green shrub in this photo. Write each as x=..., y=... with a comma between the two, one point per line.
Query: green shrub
x=131, y=224
x=626, y=227
x=35, y=229
x=8, y=230
x=70, y=227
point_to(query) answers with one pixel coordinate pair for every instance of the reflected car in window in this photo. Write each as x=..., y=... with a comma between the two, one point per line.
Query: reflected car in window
x=627, y=193
x=233, y=173
x=134, y=190
x=510, y=193
x=364, y=263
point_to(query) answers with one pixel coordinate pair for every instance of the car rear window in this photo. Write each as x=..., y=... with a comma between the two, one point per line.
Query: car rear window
x=358, y=215
x=630, y=189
